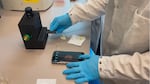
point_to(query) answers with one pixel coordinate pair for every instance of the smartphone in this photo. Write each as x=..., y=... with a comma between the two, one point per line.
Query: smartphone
x=63, y=57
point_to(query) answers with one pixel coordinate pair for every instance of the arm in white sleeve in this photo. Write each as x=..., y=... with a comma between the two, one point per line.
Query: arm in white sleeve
x=91, y=10
x=126, y=67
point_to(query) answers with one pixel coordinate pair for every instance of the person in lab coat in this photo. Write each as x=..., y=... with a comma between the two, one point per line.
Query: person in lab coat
x=125, y=56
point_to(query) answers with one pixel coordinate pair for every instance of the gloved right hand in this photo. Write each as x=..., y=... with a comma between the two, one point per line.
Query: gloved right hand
x=83, y=71
x=60, y=23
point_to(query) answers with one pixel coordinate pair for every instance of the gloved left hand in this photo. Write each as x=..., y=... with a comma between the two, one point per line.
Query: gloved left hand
x=83, y=71
x=60, y=23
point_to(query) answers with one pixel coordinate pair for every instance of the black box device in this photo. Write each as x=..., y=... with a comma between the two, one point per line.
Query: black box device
x=33, y=34
x=63, y=57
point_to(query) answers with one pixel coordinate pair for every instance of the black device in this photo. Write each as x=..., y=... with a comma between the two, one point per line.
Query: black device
x=33, y=34
x=63, y=57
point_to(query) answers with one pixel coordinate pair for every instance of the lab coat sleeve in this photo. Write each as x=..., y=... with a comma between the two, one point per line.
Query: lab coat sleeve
x=126, y=67
x=91, y=10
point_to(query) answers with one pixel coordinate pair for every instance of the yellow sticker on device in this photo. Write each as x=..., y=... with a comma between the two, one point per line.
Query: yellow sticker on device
x=31, y=1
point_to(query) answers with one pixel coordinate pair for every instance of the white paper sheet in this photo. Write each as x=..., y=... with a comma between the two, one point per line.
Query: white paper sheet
x=46, y=81
x=77, y=40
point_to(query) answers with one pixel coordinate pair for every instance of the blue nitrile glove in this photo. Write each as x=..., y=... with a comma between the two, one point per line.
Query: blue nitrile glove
x=60, y=23
x=83, y=71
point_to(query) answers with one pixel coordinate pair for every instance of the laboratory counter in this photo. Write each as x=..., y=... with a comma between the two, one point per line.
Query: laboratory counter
x=25, y=66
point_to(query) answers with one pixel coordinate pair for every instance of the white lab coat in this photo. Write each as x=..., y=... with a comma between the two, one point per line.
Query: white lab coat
x=125, y=38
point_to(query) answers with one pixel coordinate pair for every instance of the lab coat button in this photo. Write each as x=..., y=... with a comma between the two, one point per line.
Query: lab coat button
x=117, y=6
x=100, y=62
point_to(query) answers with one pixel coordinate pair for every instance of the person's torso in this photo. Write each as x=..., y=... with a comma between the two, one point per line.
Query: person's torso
x=126, y=31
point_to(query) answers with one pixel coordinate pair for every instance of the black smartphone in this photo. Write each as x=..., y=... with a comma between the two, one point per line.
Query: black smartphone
x=63, y=57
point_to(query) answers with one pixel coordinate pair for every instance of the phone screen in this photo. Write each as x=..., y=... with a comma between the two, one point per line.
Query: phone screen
x=65, y=57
